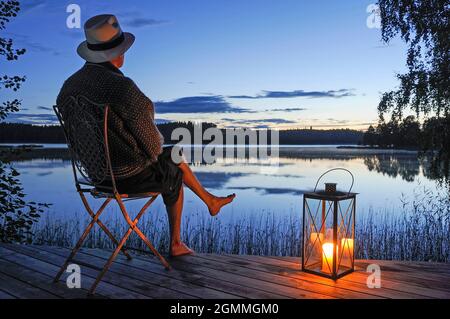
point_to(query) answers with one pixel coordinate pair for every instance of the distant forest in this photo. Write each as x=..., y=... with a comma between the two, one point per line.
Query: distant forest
x=27, y=133
x=432, y=134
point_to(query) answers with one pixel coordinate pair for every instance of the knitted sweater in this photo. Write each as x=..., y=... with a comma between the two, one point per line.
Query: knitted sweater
x=134, y=139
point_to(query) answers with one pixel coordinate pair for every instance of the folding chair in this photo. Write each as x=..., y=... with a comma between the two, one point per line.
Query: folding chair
x=85, y=126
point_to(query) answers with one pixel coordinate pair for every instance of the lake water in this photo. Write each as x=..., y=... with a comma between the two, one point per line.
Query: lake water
x=381, y=179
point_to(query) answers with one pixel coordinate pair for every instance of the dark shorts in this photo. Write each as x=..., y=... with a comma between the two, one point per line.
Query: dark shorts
x=163, y=176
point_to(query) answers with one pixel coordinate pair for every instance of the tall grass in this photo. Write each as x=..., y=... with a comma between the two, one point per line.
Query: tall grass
x=420, y=231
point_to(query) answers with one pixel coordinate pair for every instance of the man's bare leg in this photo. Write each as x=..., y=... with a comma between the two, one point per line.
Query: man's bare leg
x=174, y=212
x=214, y=203
x=177, y=247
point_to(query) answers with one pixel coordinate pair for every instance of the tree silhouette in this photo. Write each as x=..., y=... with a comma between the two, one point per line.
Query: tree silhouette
x=404, y=134
x=370, y=137
x=16, y=215
x=424, y=88
x=424, y=26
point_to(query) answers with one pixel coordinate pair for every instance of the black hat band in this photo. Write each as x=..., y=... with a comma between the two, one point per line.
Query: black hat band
x=107, y=45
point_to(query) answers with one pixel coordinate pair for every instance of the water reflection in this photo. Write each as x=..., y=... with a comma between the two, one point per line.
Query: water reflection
x=406, y=167
x=403, y=164
x=216, y=180
x=271, y=190
x=261, y=185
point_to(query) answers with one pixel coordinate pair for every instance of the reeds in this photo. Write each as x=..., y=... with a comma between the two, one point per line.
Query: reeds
x=420, y=231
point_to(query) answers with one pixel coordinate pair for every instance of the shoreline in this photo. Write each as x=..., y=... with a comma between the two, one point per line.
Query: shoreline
x=308, y=152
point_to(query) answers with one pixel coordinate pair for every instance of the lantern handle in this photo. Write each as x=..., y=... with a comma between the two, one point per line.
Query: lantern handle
x=336, y=169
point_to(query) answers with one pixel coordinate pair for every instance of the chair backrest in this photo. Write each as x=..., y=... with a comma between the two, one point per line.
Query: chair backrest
x=85, y=127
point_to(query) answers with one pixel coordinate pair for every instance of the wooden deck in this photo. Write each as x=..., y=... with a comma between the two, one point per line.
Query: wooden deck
x=27, y=272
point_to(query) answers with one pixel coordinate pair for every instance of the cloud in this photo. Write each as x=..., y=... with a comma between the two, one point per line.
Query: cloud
x=297, y=93
x=349, y=123
x=139, y=22
x=198, y=104
x=48, y=119
x=44, y=108
x=344, y=123
x=39, y=119
x=256, y=124
x=261, y=127
x=332, y=120
x=32, y=45
x=289, y=109
x=44, y=174
x=29, y=5
x=259, y=121
x=135, y=19
x=76, y=34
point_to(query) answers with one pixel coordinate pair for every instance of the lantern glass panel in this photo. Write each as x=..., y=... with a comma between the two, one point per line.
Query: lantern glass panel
x=319, y=232
x=345, y=235
x=328, y=238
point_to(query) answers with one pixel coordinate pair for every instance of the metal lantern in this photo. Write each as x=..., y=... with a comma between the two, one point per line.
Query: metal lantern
x=329, y=230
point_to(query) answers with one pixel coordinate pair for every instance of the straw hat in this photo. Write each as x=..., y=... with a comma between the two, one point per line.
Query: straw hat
x=104, y=39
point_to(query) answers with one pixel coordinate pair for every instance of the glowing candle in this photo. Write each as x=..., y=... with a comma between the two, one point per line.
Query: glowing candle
x=327, y=257
x=347, y=246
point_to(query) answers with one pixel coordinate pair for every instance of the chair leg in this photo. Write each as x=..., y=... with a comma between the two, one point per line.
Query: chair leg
x=132, y=227
x=138, y=231
x=102, y=226
x=152, y=248
x=81, y=240
x=110, y=261
x=113, y=239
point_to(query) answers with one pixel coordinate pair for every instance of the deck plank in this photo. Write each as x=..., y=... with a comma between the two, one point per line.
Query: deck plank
x=38, y=267
x=20, y=289
x=300, y=281
x=237, y=273
x=422, y=282
x=151, y=270
x=150, y=290
x=53, y=264
x=203, y=285
x=5, y=295
x=38, y=280
x=217, y=281
x=437, y=269
x=27, y=272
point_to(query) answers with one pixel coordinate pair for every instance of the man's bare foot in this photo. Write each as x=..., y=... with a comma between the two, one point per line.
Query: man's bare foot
x=180, y=249
x=218, y=202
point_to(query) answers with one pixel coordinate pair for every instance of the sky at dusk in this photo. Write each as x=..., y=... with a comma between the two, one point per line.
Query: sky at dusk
x=249, y=63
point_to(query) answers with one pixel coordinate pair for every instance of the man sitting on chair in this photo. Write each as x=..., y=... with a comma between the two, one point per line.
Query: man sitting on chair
x=140, y=162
